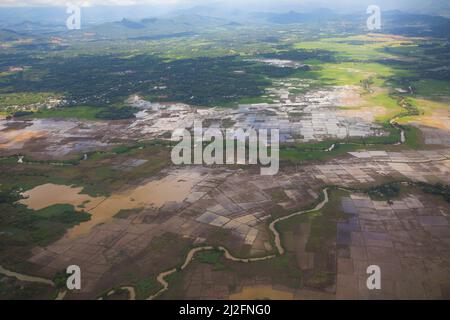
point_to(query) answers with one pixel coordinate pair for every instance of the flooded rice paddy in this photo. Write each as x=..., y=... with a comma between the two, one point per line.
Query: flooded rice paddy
x=262, y=292
x=309, y=115
x=152, y=194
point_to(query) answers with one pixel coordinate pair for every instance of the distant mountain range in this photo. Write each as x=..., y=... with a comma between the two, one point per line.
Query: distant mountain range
x=157, y=28
x=196, y=20
x=298, y=17
x=245, y=10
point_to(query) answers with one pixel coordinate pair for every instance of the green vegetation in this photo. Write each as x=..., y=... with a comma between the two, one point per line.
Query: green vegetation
x=389, y=103
x=63, y=213
x=386, y=191
x=78, y=112
x=163, y=242
x=314, y=151
x=324, y=224
x=323, y=228
x=286, y=270
x=345, y=49
x=302, y=55
x=98, y=178
x=24, y=98
x=320, y=151
x=102, y=80
x=320, y=240
x=209, y=257
x=254, y=100
x=60, y=280
x=436, y=189
x=9, y=196
x=321, y=280
x=278, y=194
x=399, y=78
x=213, y=257
x=125, y=214
x=430, y=88
x=22, y=228
x=352, y=73
x=166, y=250
x=414, y=138
x=18, y=114
x=147, y=286
x=116, y=113
x=13, y=289
x=83, y=112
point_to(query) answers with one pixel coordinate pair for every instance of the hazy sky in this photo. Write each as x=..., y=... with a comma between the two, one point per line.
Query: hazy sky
x=194, y=2
x=90, y=2
x=253, y=5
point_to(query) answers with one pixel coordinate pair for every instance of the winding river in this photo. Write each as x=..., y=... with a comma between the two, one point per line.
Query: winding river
x=161, y=278
x=190, y=256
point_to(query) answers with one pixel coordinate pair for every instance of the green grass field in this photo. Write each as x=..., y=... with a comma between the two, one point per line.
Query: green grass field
x=351, y=73
x=368, y=48
x=78, y=112
x=433, y=89
x=24, y=98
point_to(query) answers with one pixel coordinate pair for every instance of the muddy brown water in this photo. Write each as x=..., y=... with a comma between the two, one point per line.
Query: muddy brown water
x=155, y=193
x=261, y=292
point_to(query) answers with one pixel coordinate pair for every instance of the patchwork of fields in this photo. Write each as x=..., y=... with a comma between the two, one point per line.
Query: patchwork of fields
x=87, y=178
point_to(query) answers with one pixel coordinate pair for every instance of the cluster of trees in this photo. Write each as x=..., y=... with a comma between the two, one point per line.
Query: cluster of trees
x=31, y=227
x=437, y=189
x=116, y=113
x=9, y=196
x=415, y=25
x=210, y=81
x=102, y=80
x=385, y=191
x=302, y=54
x=22, y=114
